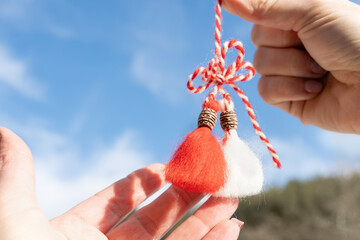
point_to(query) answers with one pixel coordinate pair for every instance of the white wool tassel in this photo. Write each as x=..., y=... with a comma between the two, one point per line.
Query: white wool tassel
x=244, y=171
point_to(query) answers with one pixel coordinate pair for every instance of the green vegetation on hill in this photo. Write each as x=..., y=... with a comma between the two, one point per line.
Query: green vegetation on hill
x=319, y=209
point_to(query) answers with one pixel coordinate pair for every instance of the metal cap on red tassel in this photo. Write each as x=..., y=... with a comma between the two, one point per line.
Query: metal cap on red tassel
x=207, y=118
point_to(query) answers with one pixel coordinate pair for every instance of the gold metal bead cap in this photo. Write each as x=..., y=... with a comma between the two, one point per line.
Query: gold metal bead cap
x=207, y=118
x=228, y=120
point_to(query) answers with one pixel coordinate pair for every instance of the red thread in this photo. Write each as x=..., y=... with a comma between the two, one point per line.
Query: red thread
x=212, y=103
x=217, y=74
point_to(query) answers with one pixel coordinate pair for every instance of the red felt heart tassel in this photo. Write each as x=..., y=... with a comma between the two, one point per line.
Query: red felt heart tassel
x=198, y=165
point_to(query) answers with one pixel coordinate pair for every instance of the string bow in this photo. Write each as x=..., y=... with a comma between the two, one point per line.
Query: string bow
x=217, y=74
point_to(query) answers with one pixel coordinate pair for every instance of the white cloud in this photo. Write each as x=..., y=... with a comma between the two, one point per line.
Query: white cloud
x=326, y=154
x=299, y=161
x=151, y=72
x=66, y=175
x=82, y=112
x=146, y=74
x=29, y=14
x=60, y=31
x=14, y=73
x=346, y=145
x=58, y=192
x=158, y=47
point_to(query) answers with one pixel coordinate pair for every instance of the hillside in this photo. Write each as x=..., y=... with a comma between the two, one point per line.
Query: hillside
x=319, y=209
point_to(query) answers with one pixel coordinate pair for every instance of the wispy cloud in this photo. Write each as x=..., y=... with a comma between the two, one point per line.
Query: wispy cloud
x=66, y=177
x=14, y=9
x=81, y=115
x=152, y=73
x=60, y=31
x=155, y=63
x=31, y=15
x=343, y=145
x=299, y=161
x=327, y=154
x=15, y=74
x=66, y=172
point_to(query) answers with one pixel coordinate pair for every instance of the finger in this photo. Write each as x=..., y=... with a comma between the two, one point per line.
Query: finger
x=279, y=89
x=282, y=14
x=107, y=207
x=17, y=181
x=272, y=37
x=286, y=62
x=214, y=211
x=295, y=108
x=227, y=229
x=153, y=220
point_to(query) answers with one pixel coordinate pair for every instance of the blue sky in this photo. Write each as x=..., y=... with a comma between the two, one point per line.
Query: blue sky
x=98, y=90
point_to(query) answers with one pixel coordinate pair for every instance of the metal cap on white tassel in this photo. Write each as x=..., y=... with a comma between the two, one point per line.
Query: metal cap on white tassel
x=228, y=119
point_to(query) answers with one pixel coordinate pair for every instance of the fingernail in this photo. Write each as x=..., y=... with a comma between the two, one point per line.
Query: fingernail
x=312, y=86
x=238, y=222
x=316, y=68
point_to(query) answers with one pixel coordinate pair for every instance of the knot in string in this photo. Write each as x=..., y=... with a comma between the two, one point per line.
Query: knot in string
x=217, y=74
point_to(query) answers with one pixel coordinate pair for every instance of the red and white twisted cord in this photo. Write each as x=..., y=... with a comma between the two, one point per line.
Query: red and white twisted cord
x=218, y=28
x=216, y=74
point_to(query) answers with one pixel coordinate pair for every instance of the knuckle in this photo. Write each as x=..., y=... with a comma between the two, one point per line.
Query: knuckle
x=3, y=153
x=12, y=146
x=149, y=171
x=255, y=35
x=262, y=7
x=156, y=167
x=293, y=60
x=258, y=60
x=3, y=133
x=4, y=159
x=264, y=91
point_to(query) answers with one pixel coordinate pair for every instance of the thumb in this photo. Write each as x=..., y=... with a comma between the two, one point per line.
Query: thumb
x=17, y=181
x=281, y=14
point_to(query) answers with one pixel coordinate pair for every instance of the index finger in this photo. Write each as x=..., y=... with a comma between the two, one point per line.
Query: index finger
x=282, y=14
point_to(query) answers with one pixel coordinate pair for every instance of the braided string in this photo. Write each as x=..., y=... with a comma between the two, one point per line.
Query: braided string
x=217, y=74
